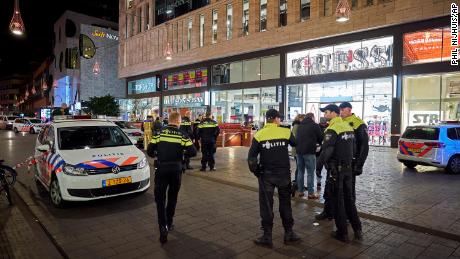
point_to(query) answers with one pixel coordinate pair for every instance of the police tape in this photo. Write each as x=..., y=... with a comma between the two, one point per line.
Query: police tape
x=30, y=161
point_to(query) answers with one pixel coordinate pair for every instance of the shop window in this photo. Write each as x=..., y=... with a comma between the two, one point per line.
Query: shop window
x=229, y=21
x=251, y=70
x=236, y=72
x=295, y=100
x=146, y=85
x=377, y=110
x=227, y=106
x=245, y=17
x=189, y=33
x=305, y=6
x=450, y=97
x=201, y=30
x=214, y=26
x=427, y=46
x=283, y=13
x=186, y=79
x=421, y=100
x=263, y=15
x=270, y=67
x=139, y=109
x=367, y=54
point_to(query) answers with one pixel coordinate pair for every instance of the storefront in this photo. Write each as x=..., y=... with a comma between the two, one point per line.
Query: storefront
x=394, y=77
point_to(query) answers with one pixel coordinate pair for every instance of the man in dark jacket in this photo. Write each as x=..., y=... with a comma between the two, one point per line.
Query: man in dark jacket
x=157, y=126
x=208, y=131
x=308, y=136
x=186, y=128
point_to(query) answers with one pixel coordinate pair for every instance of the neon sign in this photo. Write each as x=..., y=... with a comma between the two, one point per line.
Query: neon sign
x=101, y=34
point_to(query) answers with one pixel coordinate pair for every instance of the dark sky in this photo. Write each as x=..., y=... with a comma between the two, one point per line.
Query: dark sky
x=20, y=55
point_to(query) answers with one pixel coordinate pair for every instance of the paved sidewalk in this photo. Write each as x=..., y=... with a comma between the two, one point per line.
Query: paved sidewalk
x=20, y=237
x=214, y=220
x=426, y=196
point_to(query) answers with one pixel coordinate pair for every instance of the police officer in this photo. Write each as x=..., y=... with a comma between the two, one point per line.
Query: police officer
x=196, y=138
x=208, y=131
x=271, y=143
x=337, y=155
x=169, y=147
x=361, y=148
x=186, y=128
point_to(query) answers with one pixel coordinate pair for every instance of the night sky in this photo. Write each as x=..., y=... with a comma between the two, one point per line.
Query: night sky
x=21, y=55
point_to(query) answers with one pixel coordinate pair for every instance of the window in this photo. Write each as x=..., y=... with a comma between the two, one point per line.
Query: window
x=132, y=24
x=146, y=85
x=229, y=21
x=245, y=17
x=201, y=30
x=263, y=15
x=425, y=133
x=427, y=46
x=139, y=19
x=189, y=33
x=304, y=10
x=283, y=13
x=369, y=2
x=453, y=133
x=59, y=35
x=327, y=9
x=91, y=137
x=126, y=27
x=354, y=4
x=214, y=26
x=251, y=70
x=186, y=79
x=147, y=17
x=270, y=67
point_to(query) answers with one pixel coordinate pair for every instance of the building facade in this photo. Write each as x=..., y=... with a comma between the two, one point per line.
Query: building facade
x=9, y=93
x=86, y=54
x=391, y=60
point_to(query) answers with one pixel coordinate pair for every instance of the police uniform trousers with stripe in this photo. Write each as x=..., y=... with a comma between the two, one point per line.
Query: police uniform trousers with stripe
x=282, y=181
x=167, y=181
x=345, y=207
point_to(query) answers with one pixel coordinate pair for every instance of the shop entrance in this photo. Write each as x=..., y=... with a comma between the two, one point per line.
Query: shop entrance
x=195, y=112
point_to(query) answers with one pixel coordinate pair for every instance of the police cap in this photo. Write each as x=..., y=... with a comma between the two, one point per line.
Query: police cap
x=332, y=108
x=345, y=105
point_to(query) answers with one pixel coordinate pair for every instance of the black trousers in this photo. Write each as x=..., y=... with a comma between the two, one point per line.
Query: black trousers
x=329, y=196
x=345, y=207
x=268, y=182
x=167, y=181
x=208, y=149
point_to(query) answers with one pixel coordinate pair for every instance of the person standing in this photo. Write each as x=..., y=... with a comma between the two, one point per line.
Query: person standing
x=273, y=170
x=186, y=127
x=308, y=136
x=295, y=126
x=169, y=147
x=361, y=149
x=196, y=138
x=208, y=131
x=157, y=125
x=337, y=155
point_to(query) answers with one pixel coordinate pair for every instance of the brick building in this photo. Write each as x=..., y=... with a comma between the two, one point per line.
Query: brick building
x=391, y=60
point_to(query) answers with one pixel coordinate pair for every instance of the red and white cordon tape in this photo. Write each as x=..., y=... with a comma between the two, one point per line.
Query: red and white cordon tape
x=30, y=161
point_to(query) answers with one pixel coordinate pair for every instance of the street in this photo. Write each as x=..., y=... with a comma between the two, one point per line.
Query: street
x=218, y=216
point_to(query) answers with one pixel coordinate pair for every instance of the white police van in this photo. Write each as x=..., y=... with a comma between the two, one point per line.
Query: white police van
x=437, y=145
x=80, y=160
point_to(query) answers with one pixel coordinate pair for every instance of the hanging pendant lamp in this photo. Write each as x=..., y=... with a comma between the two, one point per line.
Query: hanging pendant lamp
x=168, y=52
x=343, y=11
x=17, y=25
x=96, y=68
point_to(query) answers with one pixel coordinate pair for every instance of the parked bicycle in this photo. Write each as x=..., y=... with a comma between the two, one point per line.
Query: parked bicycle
x=7, y=179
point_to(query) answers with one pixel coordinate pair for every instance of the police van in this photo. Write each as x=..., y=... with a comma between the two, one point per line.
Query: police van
x=81, y=160
x=436, y=145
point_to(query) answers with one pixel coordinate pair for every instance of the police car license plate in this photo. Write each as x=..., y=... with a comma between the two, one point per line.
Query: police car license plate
x=415, y=150
x=116, y=181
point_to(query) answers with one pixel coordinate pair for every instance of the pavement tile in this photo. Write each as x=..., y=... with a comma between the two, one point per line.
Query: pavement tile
x=408, y=250
x=438, y=251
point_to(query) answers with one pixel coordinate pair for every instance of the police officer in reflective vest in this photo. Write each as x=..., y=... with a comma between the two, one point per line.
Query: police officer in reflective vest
x=337, y=155
x=273, y=170
x=186, y=128
x=361, y=140
x=208, y=131
x=169, y=147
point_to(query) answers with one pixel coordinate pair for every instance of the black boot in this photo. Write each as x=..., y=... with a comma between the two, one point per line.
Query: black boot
x=265, y=239
x=359, y=235
x=322, y=216
x=340, y=237
x=163, y=235
x=290, y=237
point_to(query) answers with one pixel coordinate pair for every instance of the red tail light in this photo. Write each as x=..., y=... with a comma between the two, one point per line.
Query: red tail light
x=136, y=134
x=435, y=144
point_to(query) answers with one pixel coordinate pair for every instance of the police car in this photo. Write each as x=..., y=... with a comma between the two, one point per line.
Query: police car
x=30, y=125
x=437, y=145
x=80, y=160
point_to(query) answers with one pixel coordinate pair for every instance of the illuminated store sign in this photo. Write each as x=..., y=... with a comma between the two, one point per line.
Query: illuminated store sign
x=101, y=34
x=368, y=54
x=186, y=100
x=427, y=46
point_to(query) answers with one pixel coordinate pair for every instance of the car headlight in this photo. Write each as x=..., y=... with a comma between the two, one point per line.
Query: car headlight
x=75, y=171
x=142, y=163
